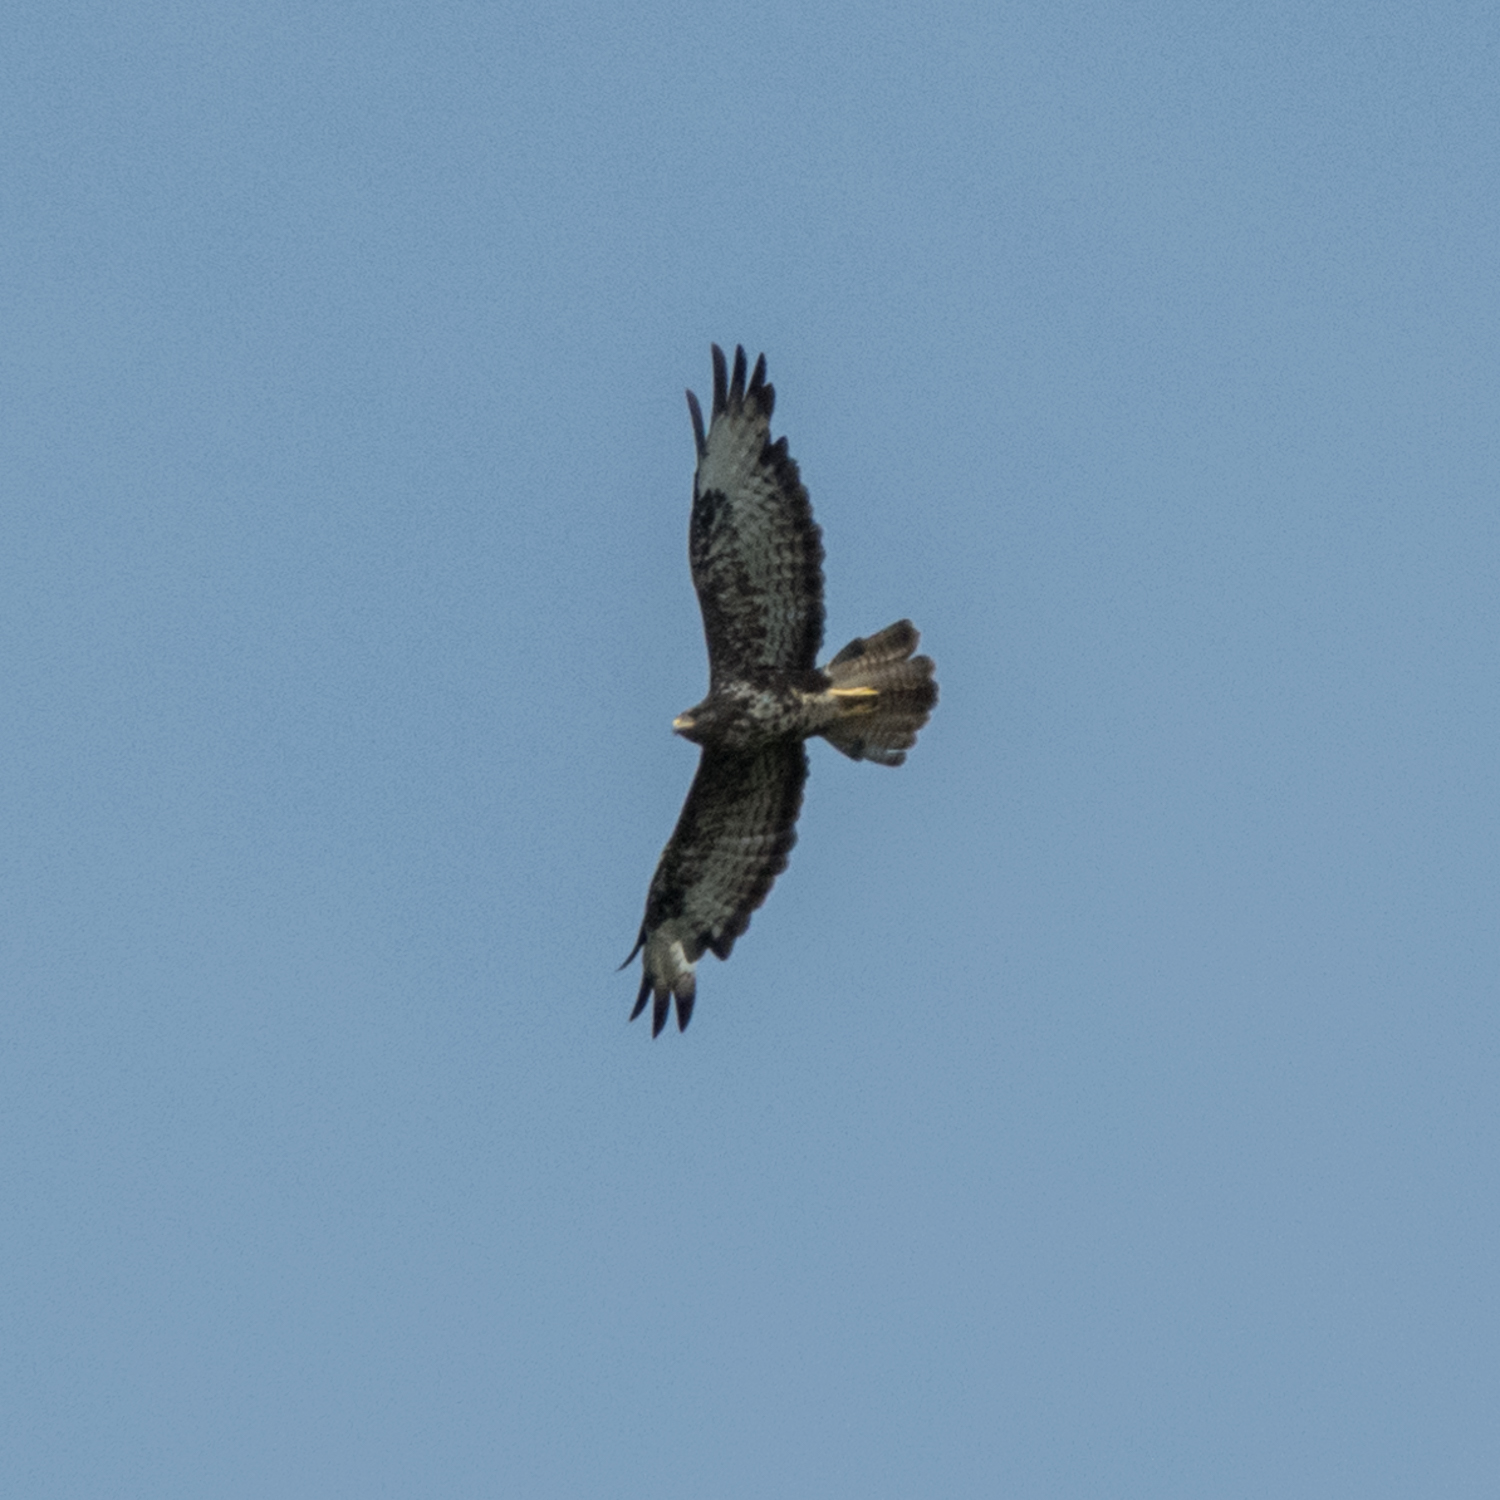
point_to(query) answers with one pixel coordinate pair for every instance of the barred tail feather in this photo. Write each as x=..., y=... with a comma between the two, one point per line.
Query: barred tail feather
x=885, y=729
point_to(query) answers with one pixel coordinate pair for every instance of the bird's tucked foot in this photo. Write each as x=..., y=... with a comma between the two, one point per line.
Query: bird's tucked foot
x=855, y=700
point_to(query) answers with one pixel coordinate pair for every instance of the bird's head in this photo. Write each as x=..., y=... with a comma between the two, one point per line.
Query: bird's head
x=695, y=723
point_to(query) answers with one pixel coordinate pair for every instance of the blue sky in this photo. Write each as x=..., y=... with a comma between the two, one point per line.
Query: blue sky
x=1104, y=1103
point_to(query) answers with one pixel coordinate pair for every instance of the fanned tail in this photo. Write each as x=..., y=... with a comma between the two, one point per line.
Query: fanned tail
x=884, y=728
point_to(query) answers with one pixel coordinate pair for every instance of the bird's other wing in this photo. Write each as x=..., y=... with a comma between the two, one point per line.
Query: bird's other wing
x=732, y=840
x=756, y=552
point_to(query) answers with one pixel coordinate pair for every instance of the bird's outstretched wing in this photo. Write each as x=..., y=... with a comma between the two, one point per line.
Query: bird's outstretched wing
x=732, y=840
x=756, y=552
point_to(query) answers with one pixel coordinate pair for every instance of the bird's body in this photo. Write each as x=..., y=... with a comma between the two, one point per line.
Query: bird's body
x=746, y=713
x=757, y=558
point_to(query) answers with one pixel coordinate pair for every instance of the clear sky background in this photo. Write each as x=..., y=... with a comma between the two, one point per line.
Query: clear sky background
x=1103, y=1104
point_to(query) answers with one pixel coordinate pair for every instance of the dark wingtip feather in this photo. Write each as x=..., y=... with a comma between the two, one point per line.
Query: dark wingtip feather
x=640, y=999
x=684, y=1011
x=699, y=436
x=661, y=1003
x=737, y=384
x=721, y=380
x=640, y=943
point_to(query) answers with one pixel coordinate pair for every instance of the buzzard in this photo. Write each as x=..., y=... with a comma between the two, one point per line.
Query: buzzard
x=757, y=560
